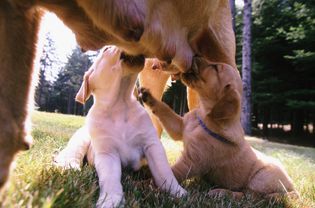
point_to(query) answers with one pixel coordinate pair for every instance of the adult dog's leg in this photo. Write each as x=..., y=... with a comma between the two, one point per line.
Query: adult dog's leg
x=172, y=122
x=18, y=37
x=108, y=167
x=72, y=155
x=217, y=42
x=160, y=169
x=155, y=81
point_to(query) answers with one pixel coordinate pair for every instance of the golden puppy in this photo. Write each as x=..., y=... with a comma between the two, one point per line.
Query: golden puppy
x=214, y=144
x=120, y=130
x=170, y=30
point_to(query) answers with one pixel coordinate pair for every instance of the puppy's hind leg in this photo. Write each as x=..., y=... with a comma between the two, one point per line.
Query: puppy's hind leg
x=72, y=155
x=185, y=168
x=226, y=193
x=108, y=167
x=161, y=171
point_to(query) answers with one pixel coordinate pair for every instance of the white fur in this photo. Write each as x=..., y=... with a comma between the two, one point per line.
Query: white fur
x=120, y=129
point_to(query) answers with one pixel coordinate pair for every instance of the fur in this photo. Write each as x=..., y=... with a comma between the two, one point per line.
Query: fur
x=154, y=28
x=234, y=166
x=118, y=132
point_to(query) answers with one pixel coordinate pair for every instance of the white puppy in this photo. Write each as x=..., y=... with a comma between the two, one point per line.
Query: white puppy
x=120, y=129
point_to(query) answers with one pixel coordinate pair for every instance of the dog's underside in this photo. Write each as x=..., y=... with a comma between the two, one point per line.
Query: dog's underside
x=168, y=30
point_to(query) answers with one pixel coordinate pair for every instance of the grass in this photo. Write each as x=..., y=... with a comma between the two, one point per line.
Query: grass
x=36, y=183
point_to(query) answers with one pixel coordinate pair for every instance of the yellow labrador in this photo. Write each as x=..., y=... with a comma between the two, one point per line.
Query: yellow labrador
x=170, y=30
x=214, y=144
x=121, y=132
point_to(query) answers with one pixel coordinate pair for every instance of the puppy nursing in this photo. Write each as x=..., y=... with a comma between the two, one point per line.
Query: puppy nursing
x=214, y=144
x=121, y=132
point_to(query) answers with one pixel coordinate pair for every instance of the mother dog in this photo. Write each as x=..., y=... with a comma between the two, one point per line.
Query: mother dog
x=169, y=30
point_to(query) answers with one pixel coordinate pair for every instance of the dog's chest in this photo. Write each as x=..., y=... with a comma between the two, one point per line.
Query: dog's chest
x=127, y=138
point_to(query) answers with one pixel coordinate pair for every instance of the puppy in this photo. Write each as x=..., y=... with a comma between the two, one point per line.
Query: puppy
x=120, y=129
x=170, y=30
x=214, y=144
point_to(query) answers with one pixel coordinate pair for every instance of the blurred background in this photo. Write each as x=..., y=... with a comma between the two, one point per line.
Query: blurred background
x=275, y=50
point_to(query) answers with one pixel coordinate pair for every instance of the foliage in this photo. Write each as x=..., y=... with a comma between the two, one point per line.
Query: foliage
x=175, y=97
x=69, y=81
x=283, y=59
x=48, y=62
x=36, y=183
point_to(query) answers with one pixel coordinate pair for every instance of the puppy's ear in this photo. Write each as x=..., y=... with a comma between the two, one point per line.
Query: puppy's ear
x=229, y=106
x=84, y=92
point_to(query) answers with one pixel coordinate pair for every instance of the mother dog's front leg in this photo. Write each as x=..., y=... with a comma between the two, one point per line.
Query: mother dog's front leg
x=108, y=167
x=18, y=36
x=160, y=169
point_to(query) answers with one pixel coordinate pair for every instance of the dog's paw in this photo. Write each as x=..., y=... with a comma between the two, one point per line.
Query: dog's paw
x=110, y=201
x=220, y=193
x=146, y=97
x=181, y=192
x=64, y=162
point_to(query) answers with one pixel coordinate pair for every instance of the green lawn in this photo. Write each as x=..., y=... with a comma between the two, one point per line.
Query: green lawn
x=36, y=183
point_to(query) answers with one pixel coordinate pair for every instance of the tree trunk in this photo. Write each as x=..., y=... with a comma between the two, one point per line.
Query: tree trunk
x=233, y=11
x=246, y=67
x=69, y=105
x=266, y=121
x=298, y=123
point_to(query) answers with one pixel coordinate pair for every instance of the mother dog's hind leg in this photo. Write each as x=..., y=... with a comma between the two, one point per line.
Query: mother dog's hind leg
x=18, y=37
x=155, y=81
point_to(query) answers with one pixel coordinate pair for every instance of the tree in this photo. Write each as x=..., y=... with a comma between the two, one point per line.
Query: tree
x=233, y=12
x=246, y=67
x=69, y=81
x=283, y=62
x=48, y=62
x=176, y=97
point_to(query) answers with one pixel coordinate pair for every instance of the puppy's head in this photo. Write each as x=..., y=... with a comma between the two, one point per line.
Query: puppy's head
x=218, y=85
x=109, y=67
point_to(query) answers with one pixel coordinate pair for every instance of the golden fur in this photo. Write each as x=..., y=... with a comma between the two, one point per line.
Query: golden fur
x=154, y=28
x=234, y=165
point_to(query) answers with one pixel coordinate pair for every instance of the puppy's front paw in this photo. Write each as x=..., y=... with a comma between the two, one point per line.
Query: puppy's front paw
x=146, y=96
x=181, y=192
x=66, y=162
x=110, y=201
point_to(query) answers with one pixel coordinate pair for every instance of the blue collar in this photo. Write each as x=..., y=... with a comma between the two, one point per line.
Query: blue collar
x=211, y=133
